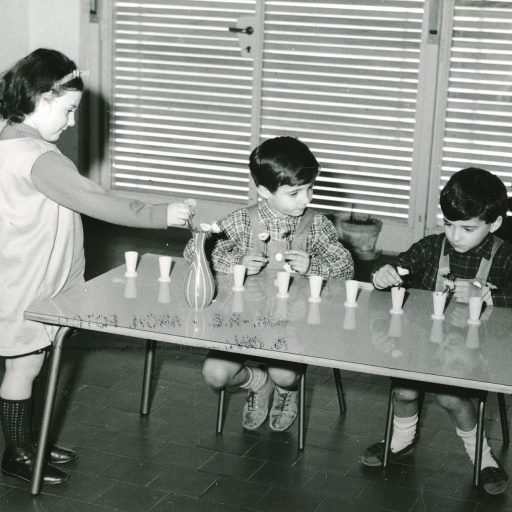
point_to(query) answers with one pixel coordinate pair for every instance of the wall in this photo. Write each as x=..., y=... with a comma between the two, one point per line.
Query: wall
x=29, y=24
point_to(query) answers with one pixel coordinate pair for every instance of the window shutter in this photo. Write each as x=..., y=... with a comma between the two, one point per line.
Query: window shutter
x=181, y=99
x=478, y=117
x=343, y=77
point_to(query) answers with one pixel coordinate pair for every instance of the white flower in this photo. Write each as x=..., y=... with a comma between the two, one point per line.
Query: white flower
x=205, y=227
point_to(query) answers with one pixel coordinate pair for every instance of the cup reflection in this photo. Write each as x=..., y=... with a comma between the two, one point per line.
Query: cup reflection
x=237, y=303
x=436, y=333
x=164, y=293
x=313, y=313
x=349, y=322
x=130, y=288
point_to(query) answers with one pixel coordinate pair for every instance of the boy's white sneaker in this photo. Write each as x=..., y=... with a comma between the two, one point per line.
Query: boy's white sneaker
x=256, y=406
x=284, y=409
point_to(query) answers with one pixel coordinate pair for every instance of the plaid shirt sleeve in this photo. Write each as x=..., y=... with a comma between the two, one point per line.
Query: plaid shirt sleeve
x=500, y=276
x=328, y=257
x=232, y=242
x=421, y=260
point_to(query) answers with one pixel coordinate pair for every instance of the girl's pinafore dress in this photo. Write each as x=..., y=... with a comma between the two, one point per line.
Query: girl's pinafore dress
x=41, y=249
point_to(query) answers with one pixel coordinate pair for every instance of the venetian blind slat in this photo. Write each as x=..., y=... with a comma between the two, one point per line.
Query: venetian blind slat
x=181, y=98
x=478, y=131
x=342, y=76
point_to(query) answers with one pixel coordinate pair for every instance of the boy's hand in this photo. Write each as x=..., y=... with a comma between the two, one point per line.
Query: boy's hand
x=255, y=264
x=298, y=260
x=385, y=277
x=464, y=290
x=177, y=214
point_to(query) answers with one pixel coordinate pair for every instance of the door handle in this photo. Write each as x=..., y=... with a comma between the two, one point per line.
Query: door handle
x=247, y=30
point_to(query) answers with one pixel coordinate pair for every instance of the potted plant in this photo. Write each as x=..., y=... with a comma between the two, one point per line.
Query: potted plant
x=358, y=232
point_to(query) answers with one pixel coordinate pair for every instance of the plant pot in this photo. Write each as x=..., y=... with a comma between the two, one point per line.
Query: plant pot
x=359, y=235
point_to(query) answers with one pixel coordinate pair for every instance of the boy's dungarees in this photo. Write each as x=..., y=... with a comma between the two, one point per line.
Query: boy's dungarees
x=483, y=270
x=296, y=240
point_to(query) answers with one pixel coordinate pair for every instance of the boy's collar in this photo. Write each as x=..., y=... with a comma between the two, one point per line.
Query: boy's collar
x=268, y=213
x=483, y=249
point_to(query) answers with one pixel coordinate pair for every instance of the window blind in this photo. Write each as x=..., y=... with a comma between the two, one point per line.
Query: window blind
x=478, y=119
x=181, y=99
x=343, y=77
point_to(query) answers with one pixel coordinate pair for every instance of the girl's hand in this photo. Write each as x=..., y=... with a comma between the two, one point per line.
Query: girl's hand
x=298, y=260
x=178, y=214
x=255, y=264
x=463, y=291
x=385, y=277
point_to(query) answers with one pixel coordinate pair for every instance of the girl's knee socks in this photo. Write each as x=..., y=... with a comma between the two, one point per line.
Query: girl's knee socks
x=16, y=419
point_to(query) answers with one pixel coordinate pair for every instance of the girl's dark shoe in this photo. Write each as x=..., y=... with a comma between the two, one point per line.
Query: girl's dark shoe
x=19, y=462
x=60, y=455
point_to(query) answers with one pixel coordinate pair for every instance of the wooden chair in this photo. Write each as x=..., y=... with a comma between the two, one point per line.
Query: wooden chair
x=302, y=405
x=481, y=397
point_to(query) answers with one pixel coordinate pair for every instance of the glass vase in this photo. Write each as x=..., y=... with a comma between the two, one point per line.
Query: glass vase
x=199, y=285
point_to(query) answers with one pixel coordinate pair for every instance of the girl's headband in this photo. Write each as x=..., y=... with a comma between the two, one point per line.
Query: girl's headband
x=76, y=73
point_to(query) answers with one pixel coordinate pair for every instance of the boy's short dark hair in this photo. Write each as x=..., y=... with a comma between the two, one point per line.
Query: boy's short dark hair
x=474, y=192
x=283, y=161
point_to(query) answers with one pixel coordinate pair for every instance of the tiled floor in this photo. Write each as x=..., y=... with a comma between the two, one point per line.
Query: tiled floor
x=173, y=461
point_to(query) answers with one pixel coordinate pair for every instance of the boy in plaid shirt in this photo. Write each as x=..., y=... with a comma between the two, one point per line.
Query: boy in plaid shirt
x=471, y=261
x=277, y=232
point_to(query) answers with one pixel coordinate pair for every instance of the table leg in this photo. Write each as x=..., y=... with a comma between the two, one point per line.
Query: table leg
x=149, y=364
x=302, y=410
x=51, y=391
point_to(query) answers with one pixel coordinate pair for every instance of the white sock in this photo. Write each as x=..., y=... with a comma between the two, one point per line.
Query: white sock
x=257, y=378
x=469, y=440
x=404, y=430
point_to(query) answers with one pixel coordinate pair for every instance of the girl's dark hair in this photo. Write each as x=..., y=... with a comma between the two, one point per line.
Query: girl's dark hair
x=282, y=161
x=474, y=192
x=35, y=74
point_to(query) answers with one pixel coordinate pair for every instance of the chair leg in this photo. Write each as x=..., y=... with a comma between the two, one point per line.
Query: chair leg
x=302, y=410
x=149, y=365
x=389, y=429
x=479, y=439
x=502, y=404
x=220, y=411
x=339, y=391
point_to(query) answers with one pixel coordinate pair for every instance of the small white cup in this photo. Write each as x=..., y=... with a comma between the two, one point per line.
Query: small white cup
x=283, y=281
x=351, y=287
x=164, y=263
x=238, y=277
x=397, y=298
x=130, y=258
x=439, y=300
x=164, y=293
x=315, y=287
x=475, y=308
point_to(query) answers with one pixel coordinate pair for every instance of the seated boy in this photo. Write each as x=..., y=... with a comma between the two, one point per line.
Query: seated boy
x=277, y=231
x=473, y=204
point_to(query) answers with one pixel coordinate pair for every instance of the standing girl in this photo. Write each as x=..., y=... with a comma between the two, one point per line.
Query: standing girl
x=42, y=196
